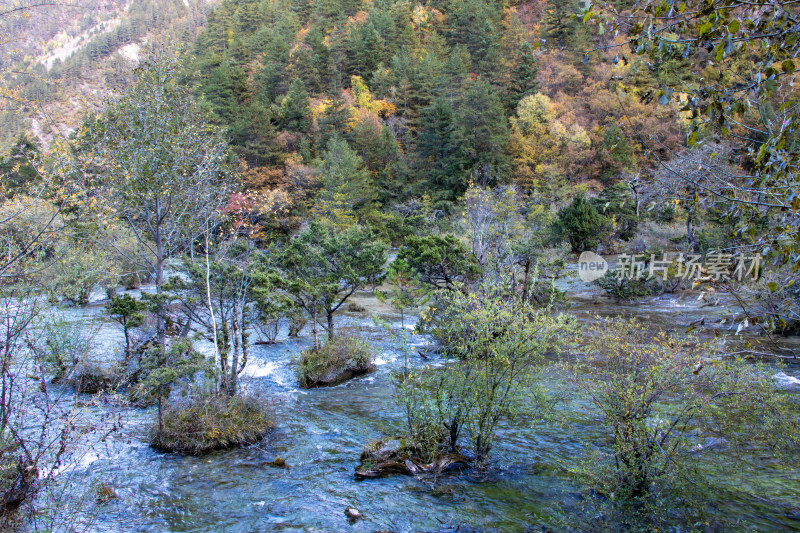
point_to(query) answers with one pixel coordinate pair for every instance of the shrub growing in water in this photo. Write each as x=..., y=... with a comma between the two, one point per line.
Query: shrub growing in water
x=654, y=393
x=492, y=348
x=212, y=422
x=337, y=360
x=622, y=288
x=17, y=475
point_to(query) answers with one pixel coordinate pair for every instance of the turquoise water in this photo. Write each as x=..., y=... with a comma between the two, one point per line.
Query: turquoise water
x=320, y=434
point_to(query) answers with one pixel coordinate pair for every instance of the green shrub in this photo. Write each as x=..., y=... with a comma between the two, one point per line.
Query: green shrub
x=655, y=393
x=581, y=225
x=493, y=349
x=210, y=423
x=65, y=345
x=627, y=288
x=17, y=476
x=91, y=378
x=338, y=360
x=615, y=202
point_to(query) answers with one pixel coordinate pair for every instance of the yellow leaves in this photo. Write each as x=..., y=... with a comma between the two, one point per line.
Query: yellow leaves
x=365, y=101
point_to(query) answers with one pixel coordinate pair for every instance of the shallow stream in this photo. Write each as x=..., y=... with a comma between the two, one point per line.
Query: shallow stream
x=321, y=432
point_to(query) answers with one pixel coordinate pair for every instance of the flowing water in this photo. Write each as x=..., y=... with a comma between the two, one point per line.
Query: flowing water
x=321, y=432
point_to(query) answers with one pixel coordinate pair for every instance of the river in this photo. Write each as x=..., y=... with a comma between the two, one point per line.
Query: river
x=320, y=433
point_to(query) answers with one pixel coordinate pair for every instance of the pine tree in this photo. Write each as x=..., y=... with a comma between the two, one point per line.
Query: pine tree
x=334, y=119
x=295, y=108
x=524, y=79
x=484, y=125
x=565, y=30
x=581, y=225
x=17, y=174
x=442, y=160
x=346, y=183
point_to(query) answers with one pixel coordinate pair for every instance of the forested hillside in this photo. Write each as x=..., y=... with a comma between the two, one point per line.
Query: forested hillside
x=429, y=97
x=59, y=61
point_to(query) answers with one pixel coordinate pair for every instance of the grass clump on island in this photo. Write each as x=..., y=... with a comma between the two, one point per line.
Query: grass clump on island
x=213, y=422
x=340, y=359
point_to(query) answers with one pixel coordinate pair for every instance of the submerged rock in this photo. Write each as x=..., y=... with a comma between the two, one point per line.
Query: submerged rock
x=387, y=458
x=279, y=462
x=353, y=514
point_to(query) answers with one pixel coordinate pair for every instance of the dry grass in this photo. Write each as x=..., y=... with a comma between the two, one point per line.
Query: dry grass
x=343, y=355
x=212, y=423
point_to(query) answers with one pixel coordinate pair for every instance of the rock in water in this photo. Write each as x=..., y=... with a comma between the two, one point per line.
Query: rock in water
x=386, y=458
x=353, y=514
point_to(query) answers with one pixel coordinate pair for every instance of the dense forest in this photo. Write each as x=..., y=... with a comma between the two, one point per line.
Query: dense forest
x=430, y=98
x=530, y=265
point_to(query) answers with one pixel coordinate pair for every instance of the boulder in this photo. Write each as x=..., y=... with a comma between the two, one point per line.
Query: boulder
x=279, y=462
x=353, y=307
x=353, y=514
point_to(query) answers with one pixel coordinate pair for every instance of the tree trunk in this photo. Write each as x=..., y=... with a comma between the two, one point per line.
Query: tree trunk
x=211, y=307
x=160, y=332
x=314, y=327
x=690, y=233
x=330, y=325
x=223, y=354
x=160, y=406
x=235, y=362
x=527, y=270
x=243, y=335
x=127, y=339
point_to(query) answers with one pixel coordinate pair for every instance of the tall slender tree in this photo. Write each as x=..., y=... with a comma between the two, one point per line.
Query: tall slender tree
x=163, y=169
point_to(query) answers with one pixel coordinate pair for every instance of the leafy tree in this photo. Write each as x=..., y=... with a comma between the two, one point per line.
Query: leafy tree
x=654, y=392
x=740, y=99
x=219, y=293
x=493, y=348
x=164, y=368
x=324, y=267
x=581, y=225
x=164, y=170
x=618, y=152
x=615, y=202
x=406, y=294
